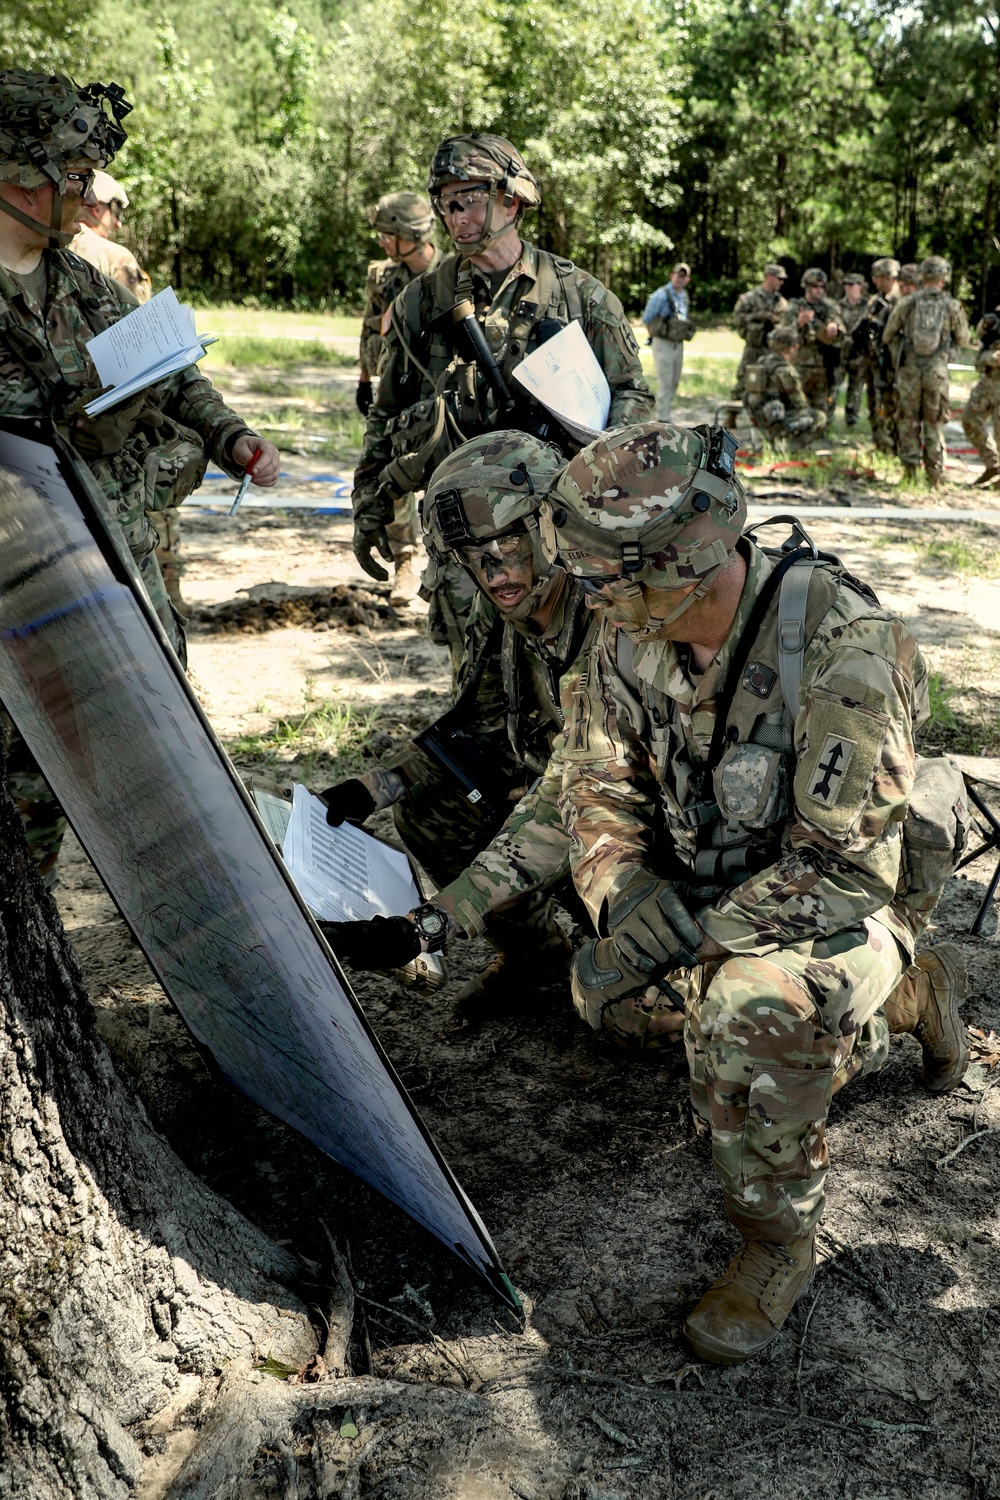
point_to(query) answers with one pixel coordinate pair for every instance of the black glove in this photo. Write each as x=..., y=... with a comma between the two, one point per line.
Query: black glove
x=651, y=927
x=363, y=397
x=382, y=943
x=374, y=535
x=348, y=801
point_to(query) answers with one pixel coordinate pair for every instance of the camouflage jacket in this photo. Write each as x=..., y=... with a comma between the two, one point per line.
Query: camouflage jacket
x=850, y=316
x=419, y=360
x=81, y=303
x=812, y=349
x=898, y=331
x=521, y=692
x=988, y=361
x=797, y=832
x=876, y=315
x=775, y=378
x=386, y=279
x=756, y=313
x=113, y=260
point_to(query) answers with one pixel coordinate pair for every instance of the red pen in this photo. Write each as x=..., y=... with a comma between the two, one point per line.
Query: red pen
x=244, y=483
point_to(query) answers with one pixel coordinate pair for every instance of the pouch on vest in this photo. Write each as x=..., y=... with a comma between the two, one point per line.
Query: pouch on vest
x=756, y=379
x=421, y=439
x=750, y=785
x=679, y=330
x=174, y=467
x=935, y=828
x=929, y=325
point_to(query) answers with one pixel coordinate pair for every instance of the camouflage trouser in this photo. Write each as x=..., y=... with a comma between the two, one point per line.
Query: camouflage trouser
x=167, y=524
x=769, y=1041
x=443, y=830
x=982, y=408
x=851, y=369
x=881, y=408
x=450, y=592
x=922, y=398
x=815, y=383
x=44, y=820
x=402, y=529
x=778, y=435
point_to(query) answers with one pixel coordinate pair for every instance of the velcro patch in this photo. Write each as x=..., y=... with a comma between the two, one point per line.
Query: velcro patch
x=831, y=768
x=386, y=323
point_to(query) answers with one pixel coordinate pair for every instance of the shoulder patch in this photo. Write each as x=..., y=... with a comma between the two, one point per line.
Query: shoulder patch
x=386, y=322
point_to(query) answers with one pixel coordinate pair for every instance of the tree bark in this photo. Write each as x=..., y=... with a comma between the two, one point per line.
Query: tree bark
x=126, y=1285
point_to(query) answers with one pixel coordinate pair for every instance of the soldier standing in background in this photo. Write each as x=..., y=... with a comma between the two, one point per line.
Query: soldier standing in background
x=879, y=373
x=404, y=226
x=851, y=307
x=909, y=279
x=922, y=332
x=755, y=314
x=774, y=397
x=453, y=338
x=820, y=330
x=95, y=240
x=983, y=405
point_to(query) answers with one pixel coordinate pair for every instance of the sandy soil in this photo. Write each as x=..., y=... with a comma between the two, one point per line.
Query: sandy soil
x=585, y=1167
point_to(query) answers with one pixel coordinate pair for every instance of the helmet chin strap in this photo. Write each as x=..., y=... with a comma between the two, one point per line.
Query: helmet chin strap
x=647, y=626
x=533, y=602
x=56, y=235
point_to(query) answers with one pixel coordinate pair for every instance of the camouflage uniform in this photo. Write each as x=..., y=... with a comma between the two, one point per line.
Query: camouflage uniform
x=982, y=410
x=922, y=381
x=424, y=358
x=790, y=855
x=852, y=357
x=777, y=403
x=879, y=372
x=816, y=361
x=755, y=314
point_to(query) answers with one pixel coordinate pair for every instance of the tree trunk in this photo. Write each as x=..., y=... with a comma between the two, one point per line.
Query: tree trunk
x=125, y=1284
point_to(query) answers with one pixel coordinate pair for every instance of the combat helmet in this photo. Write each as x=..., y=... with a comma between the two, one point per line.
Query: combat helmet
x=783, y=337
x=814, y=277
x=910, y=274
x=48, y=123
x=648, y=504
x=887, y=266
x=935, y=268
x=479, y=157
x=485, y=495
x=408, y=216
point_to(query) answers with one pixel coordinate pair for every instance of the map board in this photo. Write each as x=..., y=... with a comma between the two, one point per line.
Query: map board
x=102, y=702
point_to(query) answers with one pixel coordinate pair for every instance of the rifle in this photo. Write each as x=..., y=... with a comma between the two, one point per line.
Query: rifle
x=989, y=331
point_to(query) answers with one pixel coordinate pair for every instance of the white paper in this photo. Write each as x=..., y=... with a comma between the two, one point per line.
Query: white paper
x=563, y=374
x=152, y=342
x=343, y=874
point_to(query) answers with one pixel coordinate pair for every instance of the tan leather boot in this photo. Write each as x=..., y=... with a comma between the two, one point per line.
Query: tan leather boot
x=406, y=579
x=925, y=1003
x=745, y=1309
x=508, y=982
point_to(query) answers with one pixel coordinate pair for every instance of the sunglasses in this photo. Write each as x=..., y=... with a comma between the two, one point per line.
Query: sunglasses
x=81, y=181
x=487, y=555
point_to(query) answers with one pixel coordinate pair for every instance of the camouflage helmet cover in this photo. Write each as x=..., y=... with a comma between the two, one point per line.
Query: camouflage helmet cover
x=814, y=277
x=47, y=122
x=935, y=268
x=910, y=273
x=642, y=503
x=409, y=216
x=773, y=268
x=488, y=486
x=480, y=157
x=783, y=338
x=854, y=278
x=887, y=266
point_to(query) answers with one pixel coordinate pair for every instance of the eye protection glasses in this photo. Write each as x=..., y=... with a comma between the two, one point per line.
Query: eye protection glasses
x=461, y=202
x=80, y=182
x=490, y=557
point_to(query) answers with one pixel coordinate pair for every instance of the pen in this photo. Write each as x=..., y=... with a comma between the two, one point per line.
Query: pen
x=244, y=483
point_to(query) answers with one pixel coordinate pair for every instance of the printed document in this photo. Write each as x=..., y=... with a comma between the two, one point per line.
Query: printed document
x=148, y=344
x=563, y=374
x=343, y=874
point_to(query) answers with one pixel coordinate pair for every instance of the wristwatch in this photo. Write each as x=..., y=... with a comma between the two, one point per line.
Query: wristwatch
x=432, y=925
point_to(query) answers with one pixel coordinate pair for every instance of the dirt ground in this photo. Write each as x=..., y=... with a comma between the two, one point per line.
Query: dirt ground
x=583, y=1163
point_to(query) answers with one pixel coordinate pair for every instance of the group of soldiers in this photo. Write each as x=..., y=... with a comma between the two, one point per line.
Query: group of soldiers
x=634, y=738
x=895, y=344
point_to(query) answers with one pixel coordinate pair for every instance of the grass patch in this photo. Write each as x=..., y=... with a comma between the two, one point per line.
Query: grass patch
x=330, y=433
x=967, y=556
x=327, y=734
x=252, y=352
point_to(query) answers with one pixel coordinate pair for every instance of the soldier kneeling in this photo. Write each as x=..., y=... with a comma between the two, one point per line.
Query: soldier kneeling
x=775, y=398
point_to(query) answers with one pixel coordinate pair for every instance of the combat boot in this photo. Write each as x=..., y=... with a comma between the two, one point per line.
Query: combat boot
x=746, y=1308
x=925, y=1004
x=911, y=473
x=988, y=475
x=509, y=981
x=934, y=479
x=406, y=578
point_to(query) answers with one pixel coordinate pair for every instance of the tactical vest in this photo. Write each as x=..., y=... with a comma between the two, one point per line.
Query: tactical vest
x=170, y=456
x=530, y=729
x=727, y=825
x=455, y=406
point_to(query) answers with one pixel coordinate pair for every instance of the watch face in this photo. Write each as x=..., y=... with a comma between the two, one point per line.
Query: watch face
x=431, y=923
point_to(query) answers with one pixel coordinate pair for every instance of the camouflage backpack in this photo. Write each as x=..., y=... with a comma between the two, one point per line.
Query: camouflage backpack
x=929, y=323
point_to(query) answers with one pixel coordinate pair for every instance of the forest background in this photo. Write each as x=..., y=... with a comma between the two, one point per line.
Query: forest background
x=724, y=132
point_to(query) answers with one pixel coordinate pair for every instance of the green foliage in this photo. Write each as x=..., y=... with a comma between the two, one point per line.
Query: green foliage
x=327, y=733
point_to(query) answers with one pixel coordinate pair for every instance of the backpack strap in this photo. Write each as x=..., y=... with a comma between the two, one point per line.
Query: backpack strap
x=793, y=600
